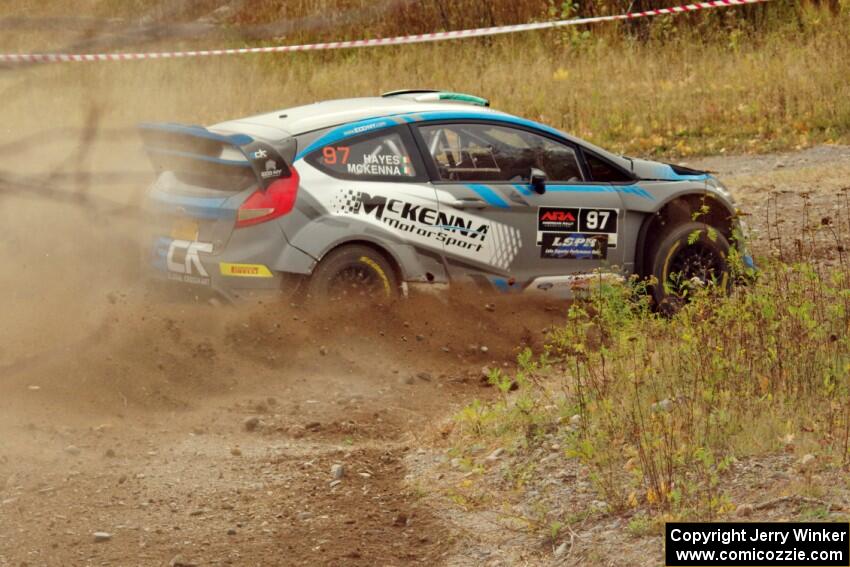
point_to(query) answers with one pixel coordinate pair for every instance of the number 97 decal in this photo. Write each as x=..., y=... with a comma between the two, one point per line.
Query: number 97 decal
x=332, y=155
x=598, y=220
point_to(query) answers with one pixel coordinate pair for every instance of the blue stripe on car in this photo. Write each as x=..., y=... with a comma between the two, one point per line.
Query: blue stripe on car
x=346, y=131
x=501, y=284
x=489, y=195
x=665, y=172
x=458, y=115
x=353, y=128
x=524, y=189
x=636, y=190
x=199, y=132
x=159, y=252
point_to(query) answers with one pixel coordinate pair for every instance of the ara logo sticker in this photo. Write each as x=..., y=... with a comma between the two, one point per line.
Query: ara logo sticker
x=183, y=261
x=556, y=219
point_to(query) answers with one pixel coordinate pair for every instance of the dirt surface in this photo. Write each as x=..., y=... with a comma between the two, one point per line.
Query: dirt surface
x=796, y=203
x=213, y=433
x=193, y=434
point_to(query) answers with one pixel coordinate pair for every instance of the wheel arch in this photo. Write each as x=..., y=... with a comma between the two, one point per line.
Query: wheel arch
x=378, y=247
x=675, y=210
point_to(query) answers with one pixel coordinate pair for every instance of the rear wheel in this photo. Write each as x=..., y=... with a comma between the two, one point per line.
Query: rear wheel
x=689, y=256
x=353, y=272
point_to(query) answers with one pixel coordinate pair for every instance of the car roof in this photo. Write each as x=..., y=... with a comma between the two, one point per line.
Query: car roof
x=301, y=119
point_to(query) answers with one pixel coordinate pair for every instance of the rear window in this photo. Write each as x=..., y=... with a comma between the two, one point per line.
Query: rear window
x=382, y=157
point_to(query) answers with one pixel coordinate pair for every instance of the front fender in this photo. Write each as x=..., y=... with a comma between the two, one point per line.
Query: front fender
x=666, y=193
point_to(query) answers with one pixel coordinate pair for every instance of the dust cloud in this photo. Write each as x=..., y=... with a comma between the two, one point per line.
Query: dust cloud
x=113, y=389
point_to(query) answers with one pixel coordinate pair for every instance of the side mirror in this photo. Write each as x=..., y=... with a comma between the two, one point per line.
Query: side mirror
x=537, y=180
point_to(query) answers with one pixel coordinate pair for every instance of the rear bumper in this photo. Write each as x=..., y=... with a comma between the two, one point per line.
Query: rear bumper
x=218, y=285
x=257, y=261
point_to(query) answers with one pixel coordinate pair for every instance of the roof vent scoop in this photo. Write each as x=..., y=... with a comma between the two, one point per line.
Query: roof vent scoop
x=408, y=92
x=425, y=95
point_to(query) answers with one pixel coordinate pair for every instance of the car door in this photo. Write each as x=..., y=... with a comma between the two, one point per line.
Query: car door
x=481, y=172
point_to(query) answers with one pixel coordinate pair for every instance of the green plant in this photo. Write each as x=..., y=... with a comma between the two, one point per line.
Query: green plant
x=658, y=409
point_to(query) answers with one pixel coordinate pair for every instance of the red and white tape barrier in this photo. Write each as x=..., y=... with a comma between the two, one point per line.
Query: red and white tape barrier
x=401, y=40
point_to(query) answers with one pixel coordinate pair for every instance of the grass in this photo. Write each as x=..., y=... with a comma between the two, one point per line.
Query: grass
x=659, y=409
x=679, y=91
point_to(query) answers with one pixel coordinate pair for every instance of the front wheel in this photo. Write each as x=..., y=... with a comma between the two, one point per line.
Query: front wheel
x=353, y=272
x=690, y=255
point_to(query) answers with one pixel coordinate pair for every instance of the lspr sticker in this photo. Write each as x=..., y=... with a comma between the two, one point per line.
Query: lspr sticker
x=575, y=246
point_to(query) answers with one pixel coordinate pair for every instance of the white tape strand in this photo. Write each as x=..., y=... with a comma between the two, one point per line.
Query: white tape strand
x=401, y=40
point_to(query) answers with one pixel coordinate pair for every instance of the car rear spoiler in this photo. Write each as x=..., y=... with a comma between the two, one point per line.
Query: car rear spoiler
x=195, y=151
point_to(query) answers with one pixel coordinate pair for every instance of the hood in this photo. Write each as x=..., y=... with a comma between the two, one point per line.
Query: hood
x=658, y=171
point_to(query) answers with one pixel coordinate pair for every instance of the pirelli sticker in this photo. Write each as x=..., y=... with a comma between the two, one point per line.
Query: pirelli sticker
x=576, y=233
x=245, y=270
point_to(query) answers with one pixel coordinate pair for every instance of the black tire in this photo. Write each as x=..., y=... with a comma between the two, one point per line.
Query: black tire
x=690, y=250
x=353, y=272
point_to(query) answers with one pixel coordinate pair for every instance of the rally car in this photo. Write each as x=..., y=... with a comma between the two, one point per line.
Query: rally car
x=369, y=196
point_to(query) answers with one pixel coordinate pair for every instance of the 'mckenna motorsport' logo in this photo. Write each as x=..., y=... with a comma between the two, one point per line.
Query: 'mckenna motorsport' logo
x=421, y=220
x=463, y=235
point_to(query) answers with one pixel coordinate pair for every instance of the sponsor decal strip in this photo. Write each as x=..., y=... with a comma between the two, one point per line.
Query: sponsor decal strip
x=559, y=228
x=378, y=42
x=462, y=234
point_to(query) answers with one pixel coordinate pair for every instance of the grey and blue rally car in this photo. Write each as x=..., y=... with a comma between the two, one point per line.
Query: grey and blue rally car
x=373, y=195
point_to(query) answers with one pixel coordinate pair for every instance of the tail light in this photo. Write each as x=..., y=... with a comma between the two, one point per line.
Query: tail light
x=266, y=204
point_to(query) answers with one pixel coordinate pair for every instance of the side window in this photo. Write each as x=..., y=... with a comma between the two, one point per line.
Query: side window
x=382, y=157
x=486, y=152
x=603, y=171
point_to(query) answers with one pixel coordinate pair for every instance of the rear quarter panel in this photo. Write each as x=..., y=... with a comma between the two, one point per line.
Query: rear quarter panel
x=315, y=228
